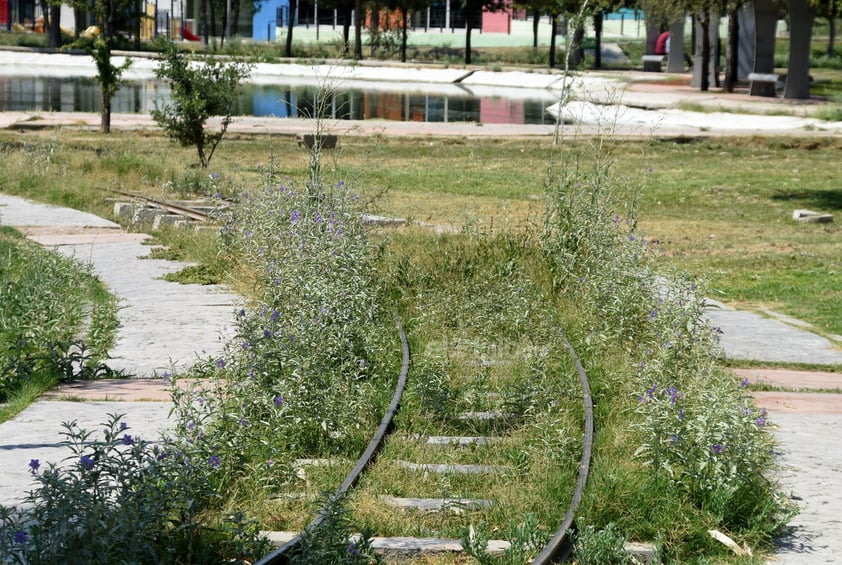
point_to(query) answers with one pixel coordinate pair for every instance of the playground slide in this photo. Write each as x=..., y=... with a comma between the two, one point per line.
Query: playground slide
x=190, y=36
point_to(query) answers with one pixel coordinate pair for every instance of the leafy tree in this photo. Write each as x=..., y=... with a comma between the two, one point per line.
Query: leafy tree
x=107, y=14
x=198, y=92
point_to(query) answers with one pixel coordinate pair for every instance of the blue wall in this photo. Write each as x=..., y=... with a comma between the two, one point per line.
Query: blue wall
x=265, y=20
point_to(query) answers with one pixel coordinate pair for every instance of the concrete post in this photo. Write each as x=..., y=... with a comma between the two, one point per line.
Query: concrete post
x=675, y=64
x=713, y=78
x=801, y=15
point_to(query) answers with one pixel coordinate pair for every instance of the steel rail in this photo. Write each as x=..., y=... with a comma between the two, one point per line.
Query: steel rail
x=175, y=208
x=560, y=547
x=280, y=555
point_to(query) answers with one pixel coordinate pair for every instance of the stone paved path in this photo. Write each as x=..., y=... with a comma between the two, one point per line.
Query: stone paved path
x=162, y=326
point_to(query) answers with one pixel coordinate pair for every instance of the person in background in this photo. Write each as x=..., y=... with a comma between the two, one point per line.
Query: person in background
x=662, y=44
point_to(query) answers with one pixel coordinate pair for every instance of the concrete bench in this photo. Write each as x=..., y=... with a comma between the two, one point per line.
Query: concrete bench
x=765, y=84
x=652, y=63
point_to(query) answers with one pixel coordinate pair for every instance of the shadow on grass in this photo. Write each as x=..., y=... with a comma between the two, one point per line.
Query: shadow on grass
x=819, y=200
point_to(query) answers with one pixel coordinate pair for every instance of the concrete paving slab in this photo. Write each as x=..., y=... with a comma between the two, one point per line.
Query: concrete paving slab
x=808, y=403
x=19, y=212
x=811, y=472
x=751, y=336
x=791, y=379
x=116, y=390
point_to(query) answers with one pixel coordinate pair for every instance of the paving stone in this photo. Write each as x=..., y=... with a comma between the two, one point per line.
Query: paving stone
x=36, y=434
x=461, y=441
x=457, y=505
x=450, y=468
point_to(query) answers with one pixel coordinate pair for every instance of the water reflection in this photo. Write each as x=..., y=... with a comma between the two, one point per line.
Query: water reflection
x=62, y=94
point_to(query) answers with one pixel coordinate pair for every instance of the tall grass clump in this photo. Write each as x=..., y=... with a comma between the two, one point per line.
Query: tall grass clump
x=308, y=371
x=56, y=320
x=689, y=432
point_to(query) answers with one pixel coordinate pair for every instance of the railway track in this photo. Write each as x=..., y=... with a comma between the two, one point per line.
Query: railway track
x=460, y=460
x=390, y=441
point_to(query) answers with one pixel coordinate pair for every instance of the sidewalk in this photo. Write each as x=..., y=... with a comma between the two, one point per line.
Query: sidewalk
x=163, y=326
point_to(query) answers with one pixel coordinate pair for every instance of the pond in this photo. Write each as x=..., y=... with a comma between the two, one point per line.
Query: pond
x=400, y=102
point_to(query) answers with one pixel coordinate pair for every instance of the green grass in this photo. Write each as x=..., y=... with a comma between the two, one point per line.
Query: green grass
x=52, y=311
x=721, y=208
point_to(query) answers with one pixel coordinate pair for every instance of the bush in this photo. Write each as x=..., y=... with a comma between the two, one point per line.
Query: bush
x=44, y=299
x=119, y=499
x=199, y=91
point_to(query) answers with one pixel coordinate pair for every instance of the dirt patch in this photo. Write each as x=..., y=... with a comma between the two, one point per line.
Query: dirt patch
x=123, y=390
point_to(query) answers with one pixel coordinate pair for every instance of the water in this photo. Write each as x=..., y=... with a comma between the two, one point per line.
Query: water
x=454, y=104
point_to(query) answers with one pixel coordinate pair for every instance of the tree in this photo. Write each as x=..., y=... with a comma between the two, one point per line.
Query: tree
x=293, y=5
x=358, y=29
x=200, y=91
x=99, y=46
x=473, y=10
x=732, y=49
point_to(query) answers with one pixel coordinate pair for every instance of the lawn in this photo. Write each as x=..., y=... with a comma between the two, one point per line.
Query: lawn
x=720, y=208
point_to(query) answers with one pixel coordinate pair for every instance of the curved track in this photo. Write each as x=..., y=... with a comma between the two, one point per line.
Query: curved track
x=559, y=548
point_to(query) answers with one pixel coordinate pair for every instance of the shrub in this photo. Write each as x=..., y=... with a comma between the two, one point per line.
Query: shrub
x=119, y=499
x=44, y=299
x=694, y=427
x=199, y=91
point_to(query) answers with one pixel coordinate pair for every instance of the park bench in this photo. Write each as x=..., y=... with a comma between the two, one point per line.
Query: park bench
x=652, y=63
x=765, y=84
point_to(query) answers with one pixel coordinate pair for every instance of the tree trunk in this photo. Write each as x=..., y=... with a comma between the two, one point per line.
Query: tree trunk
x=597, y=30
x=346, y=33
x=801, y=15
x=468, y=28
x=54, y=31
x=704, y=23
x=831, y=30
x=358, y=29
x=213, y=18
x=536, y=19
x=105, y=112
x=203, y=22
x=290, y=19
x=576, y=48
x=553, y=35
x=732, y=51
x=404, y=25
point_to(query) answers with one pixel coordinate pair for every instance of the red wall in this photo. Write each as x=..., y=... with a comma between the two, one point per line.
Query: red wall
x=497, y=22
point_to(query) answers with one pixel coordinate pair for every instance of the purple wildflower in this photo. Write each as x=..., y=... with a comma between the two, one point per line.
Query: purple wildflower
x=220, y=363
x=127, y=439
x=87, y=462
x=717, y=448
x=278, y=401
x=214, y=461
x=21, y=537
x=34, y=465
